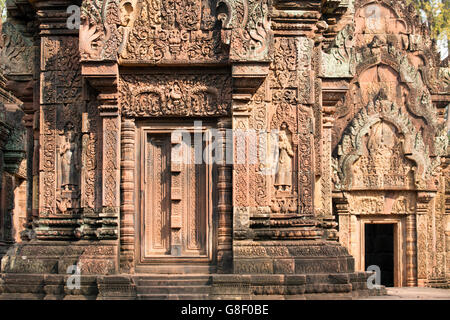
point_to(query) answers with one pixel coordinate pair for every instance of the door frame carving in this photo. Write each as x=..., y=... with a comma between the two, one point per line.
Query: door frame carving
x=399, y=223
x=184, y=263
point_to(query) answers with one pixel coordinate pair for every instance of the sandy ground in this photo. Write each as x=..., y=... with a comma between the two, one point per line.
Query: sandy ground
x=414, y=294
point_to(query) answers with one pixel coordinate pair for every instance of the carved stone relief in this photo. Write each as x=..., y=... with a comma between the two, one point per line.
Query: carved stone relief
x=173, y=31
x=185, y=95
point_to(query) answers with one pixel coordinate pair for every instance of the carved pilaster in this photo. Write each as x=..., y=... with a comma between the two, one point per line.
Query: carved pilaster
x=102, y=77
x=60, y=124
x=127, y=206
x=342, y=211
x=422, y=208
x=411, y=251
x=224, y=206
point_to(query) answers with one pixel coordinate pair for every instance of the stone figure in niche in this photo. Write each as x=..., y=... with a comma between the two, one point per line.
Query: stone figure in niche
x=283, y=177
x=69, y=158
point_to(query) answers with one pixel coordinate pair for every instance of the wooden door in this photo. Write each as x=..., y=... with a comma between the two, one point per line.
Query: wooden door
x=176, y=202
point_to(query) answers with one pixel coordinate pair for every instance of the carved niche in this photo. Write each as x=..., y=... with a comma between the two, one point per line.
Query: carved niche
x=69, y=168
x=61, y=108
x=182, y=95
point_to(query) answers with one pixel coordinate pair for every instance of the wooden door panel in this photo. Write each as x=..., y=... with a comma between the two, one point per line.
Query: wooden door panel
x=194, y=228
x=176, y=202
x=157, y=200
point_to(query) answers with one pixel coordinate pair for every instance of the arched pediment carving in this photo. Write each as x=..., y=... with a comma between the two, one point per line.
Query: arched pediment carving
x=381, y=149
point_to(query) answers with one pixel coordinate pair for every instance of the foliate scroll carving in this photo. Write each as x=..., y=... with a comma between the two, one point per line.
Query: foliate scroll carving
x=184, y=95
x=382, y=149
x=16, y=52
x=285, y=64
x=101, y=33
x=111, y=140
x=248, y=25
x=91, y=156
x=173, y=32
x=61, y=81
x=47, y=178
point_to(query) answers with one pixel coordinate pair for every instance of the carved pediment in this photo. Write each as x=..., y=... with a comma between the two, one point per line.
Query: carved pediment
x=381, y=149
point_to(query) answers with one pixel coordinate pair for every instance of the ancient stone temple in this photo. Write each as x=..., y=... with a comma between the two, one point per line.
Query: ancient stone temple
x=221, y=149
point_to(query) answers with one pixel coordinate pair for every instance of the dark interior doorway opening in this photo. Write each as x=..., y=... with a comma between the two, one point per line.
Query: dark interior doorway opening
x=379, y=250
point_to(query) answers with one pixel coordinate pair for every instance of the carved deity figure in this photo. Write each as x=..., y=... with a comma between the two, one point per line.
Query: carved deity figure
x=69, y=156
x=283, y=177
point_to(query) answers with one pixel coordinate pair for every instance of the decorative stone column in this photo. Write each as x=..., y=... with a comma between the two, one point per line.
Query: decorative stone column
x=411, y=250
x=422, y=208
x=127, y=206
x=224, y=206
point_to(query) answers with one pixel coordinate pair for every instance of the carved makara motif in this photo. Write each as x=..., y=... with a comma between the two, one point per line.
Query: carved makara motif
x=247, y=28
x=184, y=95
x=338, y=61
x=101, y=31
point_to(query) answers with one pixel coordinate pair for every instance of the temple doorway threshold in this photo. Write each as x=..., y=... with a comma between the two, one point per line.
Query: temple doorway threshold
x=382, y=246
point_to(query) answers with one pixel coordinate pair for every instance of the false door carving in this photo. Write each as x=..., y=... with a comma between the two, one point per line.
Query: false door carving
x=176, y=198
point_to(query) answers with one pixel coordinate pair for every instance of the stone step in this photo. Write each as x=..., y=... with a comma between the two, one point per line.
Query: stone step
x=172, y=277
x=173, y=290
x=172, y=297
x=174, y=282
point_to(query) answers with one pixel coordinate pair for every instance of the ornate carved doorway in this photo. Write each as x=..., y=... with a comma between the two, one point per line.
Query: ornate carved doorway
x=175, y=229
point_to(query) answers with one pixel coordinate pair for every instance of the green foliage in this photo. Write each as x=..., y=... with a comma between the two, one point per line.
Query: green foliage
x=437, y=16
x=3, y=9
